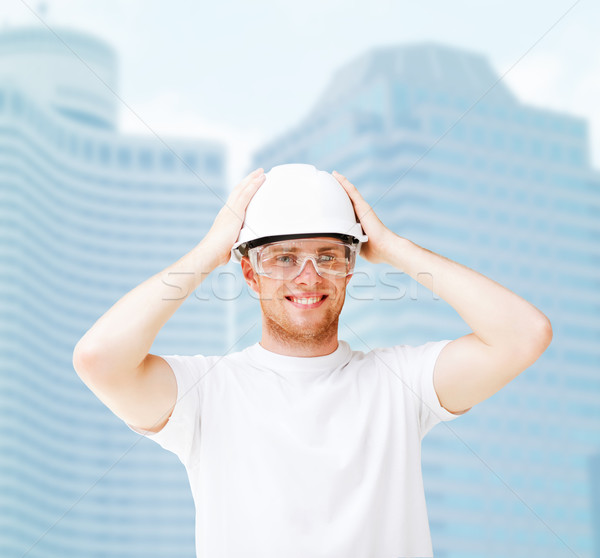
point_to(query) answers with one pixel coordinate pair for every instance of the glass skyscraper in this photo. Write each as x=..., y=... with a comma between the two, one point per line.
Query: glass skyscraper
x=86, y=214
x=450, y=158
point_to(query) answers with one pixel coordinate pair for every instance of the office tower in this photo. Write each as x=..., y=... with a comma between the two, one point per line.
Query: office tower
x=87, y=213
x=450, y=158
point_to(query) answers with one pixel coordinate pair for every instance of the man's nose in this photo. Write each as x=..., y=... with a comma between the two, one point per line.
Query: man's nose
x=308, y=272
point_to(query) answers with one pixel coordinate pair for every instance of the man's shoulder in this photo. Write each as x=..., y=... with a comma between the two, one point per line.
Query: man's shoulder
x=202, y=361
x=424, y=346
x=402, y=353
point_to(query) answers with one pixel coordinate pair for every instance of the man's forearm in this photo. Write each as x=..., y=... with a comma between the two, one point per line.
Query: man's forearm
x=122, y=337
x=499, y=317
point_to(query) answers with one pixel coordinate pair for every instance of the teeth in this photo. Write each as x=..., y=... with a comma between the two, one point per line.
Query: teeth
x=311, y=300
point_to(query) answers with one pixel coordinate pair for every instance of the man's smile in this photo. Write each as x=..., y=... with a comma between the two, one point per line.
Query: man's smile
x=307, y=300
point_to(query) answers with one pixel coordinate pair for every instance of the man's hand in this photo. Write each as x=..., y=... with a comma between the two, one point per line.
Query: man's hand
x=509, y=334
x=374, y=250
x=228, y=222
x=113, y=357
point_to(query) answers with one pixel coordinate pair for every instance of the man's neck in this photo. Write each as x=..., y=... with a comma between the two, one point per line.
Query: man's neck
x=299, y=347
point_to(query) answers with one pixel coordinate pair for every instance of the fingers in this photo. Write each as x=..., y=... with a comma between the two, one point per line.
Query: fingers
x=248, y=179
x=342, y=179
x=242, y=194
x=360, y=205
x=229, y=220
x=257, y=178
x=364, y=212
x=347, y=185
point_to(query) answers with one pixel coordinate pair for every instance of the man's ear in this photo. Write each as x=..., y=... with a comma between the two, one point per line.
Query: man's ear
x=249, y=275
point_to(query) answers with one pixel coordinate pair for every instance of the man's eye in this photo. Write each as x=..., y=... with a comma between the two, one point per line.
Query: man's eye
x=326, y=258
x=285, y=259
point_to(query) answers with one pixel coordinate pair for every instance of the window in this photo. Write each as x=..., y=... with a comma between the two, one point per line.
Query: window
x=146, y=159
x=578, y=129
x=478, y=136
x=539, y=121
x=520, y=117
x=124, y=157
x=518, y=144
x=213, y=164
x=422, y=95
x=519, y=172
x=365, y=122
x=536, y=148
x=438, y=126
x=88, y=149
x=401, y=104
x=190, y=162
x=168, y=160
x=17, y=103
x=498, y=139
x=501, y=113
x=576, y=157
x=442, y=99
x=558, y=125
x=458, y=131
x=60, y=138
x=555, y=152
x=461, y=103
x=104, y=154
x=73, y=145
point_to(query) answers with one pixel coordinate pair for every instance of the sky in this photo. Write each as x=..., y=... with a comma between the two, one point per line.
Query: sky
x=245, y=72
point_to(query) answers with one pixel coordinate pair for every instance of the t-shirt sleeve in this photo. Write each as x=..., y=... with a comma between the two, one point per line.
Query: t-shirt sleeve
x=181, y=434
x=419, y=363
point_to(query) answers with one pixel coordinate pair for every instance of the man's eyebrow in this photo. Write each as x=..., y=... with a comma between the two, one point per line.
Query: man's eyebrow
x=330, y=247
x=285, y=248
x=322, y=248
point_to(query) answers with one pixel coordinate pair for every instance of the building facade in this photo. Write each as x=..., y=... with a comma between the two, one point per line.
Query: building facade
x=86, y=214
x=448, y=157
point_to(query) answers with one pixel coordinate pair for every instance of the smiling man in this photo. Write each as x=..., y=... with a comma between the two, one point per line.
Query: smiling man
x=302, y=284
x=297, y=247
x=299, y=446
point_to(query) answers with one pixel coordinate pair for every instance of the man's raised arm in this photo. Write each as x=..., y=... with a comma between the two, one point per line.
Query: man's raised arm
x=509, y=333
x=113, y=358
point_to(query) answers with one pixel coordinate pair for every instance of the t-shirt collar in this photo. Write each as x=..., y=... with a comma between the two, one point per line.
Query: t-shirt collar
x=299, y=367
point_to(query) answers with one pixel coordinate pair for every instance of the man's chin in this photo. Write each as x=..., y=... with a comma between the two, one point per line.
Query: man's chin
x=307, y=331
x=293, y=324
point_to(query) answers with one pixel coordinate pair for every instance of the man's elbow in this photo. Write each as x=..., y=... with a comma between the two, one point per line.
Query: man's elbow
x=84, y=362
x=540, y=339
x=545, y=333
x=90, y=365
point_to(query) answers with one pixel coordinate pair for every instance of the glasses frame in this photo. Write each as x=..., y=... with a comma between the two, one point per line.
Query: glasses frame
x=256, y=262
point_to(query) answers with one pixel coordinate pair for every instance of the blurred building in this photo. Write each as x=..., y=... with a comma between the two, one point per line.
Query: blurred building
x=449, y=158
x=87, y=214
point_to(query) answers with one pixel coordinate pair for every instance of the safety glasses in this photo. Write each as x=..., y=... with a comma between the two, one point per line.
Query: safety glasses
x=285, y=260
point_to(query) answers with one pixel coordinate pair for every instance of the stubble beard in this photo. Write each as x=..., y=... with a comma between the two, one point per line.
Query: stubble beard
x=292, y=333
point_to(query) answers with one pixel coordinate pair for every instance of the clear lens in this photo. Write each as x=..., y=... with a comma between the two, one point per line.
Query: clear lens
x=285, y=259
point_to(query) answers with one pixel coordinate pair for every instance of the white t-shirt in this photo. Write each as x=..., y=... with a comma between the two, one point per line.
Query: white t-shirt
x=299, y=457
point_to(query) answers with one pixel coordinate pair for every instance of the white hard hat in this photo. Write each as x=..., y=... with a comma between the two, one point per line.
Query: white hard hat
x=297, y=200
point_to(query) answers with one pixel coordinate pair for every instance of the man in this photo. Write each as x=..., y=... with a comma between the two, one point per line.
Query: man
x=299, y=447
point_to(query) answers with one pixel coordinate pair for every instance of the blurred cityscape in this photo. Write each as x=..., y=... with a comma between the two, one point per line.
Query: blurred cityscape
x=446, y=155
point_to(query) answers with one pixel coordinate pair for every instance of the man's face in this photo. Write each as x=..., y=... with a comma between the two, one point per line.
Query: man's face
x=305, y=308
